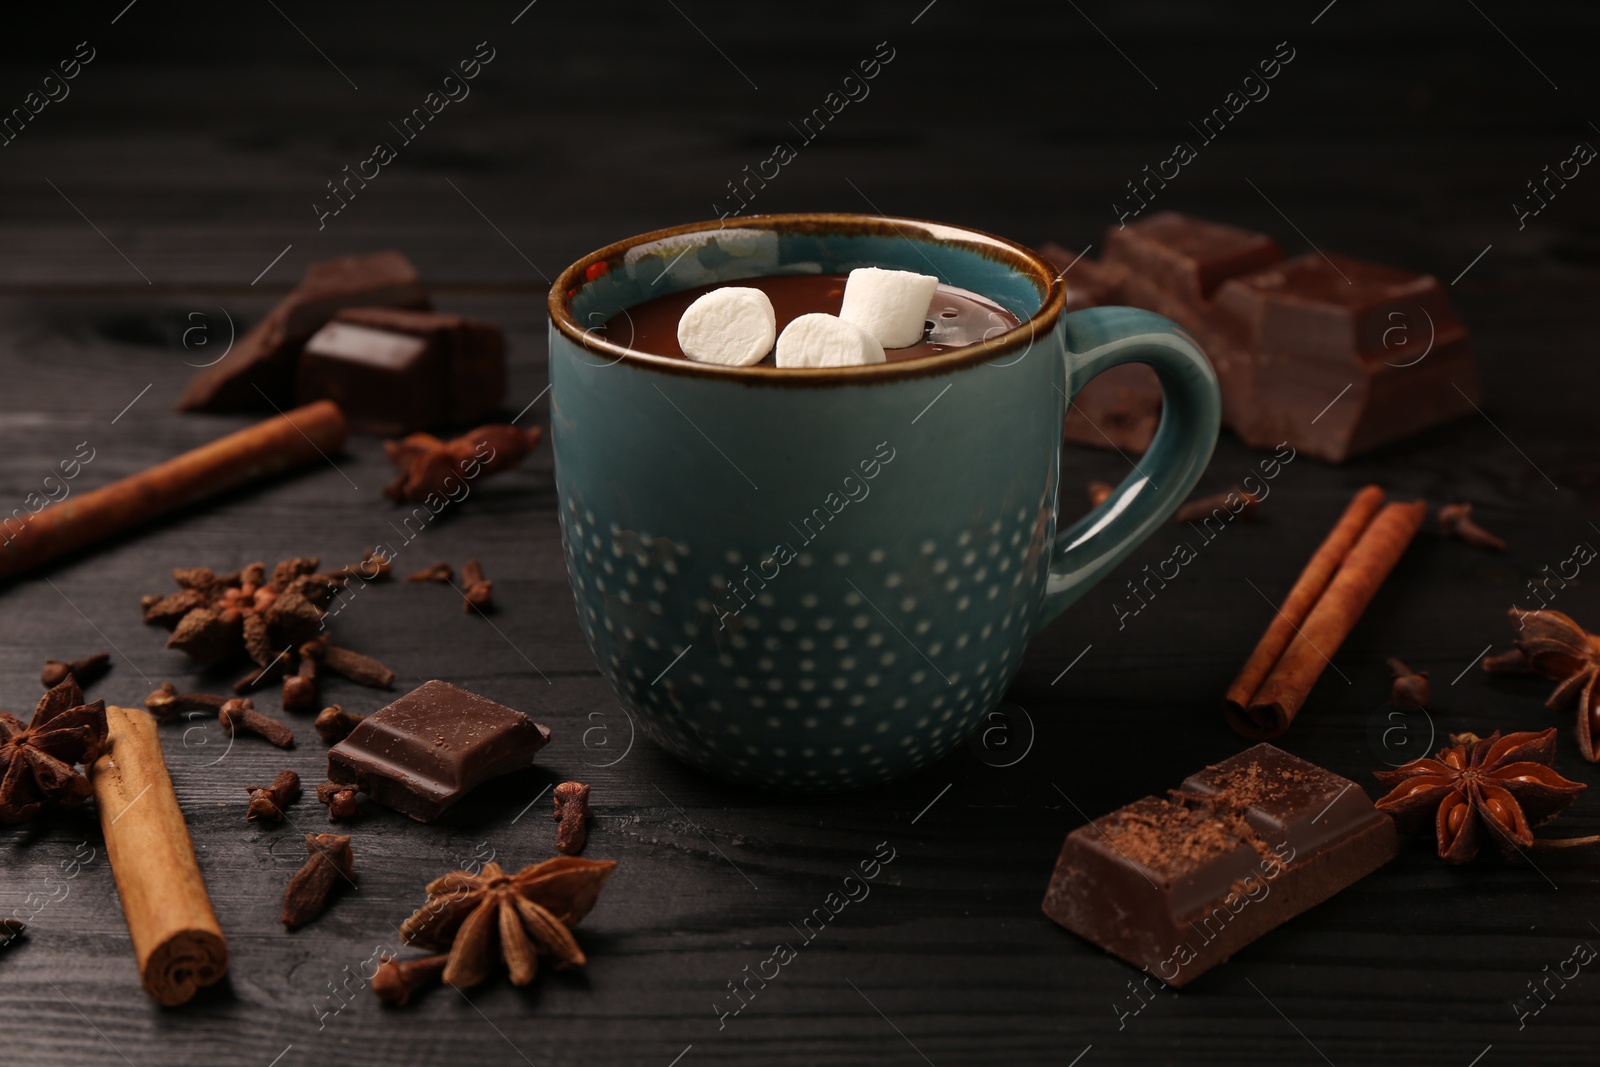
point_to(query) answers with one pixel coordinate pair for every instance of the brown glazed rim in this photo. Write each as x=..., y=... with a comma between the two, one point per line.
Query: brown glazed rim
x=1021, y=259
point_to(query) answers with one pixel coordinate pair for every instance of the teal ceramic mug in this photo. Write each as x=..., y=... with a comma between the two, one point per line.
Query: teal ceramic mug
x=825, y=578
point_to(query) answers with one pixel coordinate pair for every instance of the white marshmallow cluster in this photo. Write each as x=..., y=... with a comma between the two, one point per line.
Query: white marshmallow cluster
x=734, y=326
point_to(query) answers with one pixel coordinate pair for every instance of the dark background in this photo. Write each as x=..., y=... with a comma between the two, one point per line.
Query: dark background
x=196, y=142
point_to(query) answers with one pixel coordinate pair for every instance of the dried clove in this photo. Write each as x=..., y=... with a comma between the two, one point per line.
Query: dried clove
x=439, y=572
x=572, y=815
x=267, y=802
x=300, y=688
x=363, y=670
x=167, y=701
x=1234, y=504
x=312, y=888
x=1511, y=661
x=1455, y=520
x=241, y=714
x=1410, y=688
x=396, y=979
x=261, y=674
x=340, y=799
x=85, y=670
x=478, y=590
x=334, y=723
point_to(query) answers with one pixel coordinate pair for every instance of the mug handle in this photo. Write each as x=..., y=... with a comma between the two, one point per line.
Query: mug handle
x=1095, y=340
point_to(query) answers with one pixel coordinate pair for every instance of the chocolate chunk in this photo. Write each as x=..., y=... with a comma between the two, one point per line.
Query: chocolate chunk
x=1286, y=338
x=263, y=359
x=1188, y=257
x=385, y=383
x=474, y=355
x=431, y=747
x=1177, y=885
x=1315, y=325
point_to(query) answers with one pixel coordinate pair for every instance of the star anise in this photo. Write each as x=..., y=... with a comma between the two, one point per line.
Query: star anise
x=518, y=916
x=38, y=762
x=218, y=618
x=1559, y=649
x=1503, y=783
x=276, y=622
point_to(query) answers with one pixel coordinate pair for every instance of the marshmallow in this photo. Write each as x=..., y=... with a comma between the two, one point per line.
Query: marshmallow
x=732, y=326
x=819, y=340
x=892, y=305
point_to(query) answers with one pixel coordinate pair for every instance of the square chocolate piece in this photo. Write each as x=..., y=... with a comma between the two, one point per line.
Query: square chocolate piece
x=474, y=355
x=386, y=383
x=431, y=747
x=1189, y=257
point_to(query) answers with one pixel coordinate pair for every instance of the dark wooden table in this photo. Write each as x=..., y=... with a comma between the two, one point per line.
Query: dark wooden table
x=173, y=187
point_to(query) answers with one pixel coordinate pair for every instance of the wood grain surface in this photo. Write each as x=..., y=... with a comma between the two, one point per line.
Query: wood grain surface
x=166, y=201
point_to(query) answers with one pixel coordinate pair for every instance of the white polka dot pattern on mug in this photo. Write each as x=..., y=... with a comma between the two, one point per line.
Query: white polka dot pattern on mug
x=850, y=665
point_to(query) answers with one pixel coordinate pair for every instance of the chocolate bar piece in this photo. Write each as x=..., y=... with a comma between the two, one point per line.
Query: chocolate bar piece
x=474, y=355
x=385, y=383
x=259, y=371
x=1177, y=885
x=1286, y=338
x=1317, y=324
x=431, y=747
x=1188, y=257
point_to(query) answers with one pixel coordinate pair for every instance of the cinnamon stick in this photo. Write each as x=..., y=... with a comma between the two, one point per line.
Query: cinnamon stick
x=304, y=435
x=176, y=940
x=1268, y=712
x=1302, y=598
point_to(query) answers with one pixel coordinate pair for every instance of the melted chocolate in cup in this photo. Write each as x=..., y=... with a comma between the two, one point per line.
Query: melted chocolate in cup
x=956, y=317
